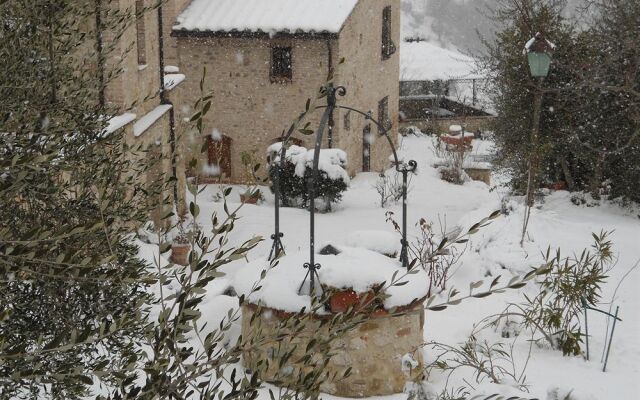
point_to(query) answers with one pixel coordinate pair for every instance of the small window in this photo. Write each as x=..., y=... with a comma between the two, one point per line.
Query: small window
x=140, y=33
x=388, y=47
x=383, y=114
x=281, y=61
x=347, y=121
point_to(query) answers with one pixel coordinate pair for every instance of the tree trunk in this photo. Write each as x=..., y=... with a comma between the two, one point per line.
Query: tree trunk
x=596, y=179
x=566, y=171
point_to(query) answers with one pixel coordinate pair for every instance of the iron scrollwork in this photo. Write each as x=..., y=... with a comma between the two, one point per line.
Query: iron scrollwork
x=402, y=167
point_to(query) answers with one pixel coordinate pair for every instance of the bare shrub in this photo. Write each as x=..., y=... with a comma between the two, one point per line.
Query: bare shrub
x=493, y=362
x=431, y=255
x=389, y=187
x=452, y=159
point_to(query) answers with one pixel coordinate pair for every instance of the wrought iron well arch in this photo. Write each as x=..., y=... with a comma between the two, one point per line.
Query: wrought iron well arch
x=405, y=168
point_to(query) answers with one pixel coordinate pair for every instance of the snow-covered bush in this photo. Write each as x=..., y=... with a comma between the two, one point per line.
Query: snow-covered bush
x=297, y=172
x=382, y=242
x=411, y=131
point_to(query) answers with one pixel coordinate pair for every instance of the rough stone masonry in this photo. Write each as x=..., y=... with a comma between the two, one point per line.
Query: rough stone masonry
x=376, y=350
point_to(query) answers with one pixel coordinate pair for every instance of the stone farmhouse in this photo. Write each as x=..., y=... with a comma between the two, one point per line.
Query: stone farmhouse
x=441, y=87
x=264, y=59
x=146, y=89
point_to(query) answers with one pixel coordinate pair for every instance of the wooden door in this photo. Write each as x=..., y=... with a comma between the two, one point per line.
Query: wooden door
x=219, y=153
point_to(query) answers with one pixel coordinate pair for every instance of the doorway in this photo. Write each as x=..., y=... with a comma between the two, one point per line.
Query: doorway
x=219, y=154
x=366, y=149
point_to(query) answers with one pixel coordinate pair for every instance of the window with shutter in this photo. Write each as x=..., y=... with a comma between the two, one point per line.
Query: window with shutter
x=281, y=64
x=388, y=47
x=383, y=114
x=141, y=38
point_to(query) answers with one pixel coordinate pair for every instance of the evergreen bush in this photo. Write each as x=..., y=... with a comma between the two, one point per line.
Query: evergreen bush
x=295, y=186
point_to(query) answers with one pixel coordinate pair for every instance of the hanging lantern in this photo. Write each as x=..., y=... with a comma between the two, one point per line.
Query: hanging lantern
x=538, y=51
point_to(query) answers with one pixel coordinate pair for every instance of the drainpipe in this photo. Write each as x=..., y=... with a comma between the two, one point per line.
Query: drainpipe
x=165, y=100
x=331, y=122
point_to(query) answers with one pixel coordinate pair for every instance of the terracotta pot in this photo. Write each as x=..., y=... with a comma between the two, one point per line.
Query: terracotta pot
x=180, y=253
x=341, y=301
x=249, y=198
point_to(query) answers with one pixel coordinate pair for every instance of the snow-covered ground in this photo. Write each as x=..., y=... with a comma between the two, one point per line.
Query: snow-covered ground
x=495, y=250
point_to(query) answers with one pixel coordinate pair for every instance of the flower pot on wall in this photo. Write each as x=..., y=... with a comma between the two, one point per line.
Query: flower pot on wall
x=341, y=301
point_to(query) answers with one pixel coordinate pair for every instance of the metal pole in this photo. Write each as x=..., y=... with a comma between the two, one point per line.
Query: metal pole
x=277, y=236
x=586, y=331
x=312, y=266
x=403, y=252
x=533, y=158
x=606, y=359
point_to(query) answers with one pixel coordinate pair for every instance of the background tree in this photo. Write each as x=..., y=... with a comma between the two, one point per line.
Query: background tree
x=514, y=88
x=589, y=123
x=606, y=111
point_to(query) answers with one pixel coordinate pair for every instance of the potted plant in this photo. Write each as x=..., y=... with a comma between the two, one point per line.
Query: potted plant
x=181, y=243
x=252, y=193
x=180, y=249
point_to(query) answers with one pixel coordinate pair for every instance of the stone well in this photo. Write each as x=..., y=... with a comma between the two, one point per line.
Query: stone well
x=383, y=352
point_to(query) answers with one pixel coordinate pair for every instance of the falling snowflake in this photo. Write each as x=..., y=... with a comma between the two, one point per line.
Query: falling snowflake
x=216, y=135
x=369, y=138
x=240, y=58
x=211, y=170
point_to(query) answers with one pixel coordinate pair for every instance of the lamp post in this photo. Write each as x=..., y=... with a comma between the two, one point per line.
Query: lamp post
x=538, y=51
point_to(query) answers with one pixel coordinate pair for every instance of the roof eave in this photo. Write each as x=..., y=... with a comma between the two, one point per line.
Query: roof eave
x=253, y=35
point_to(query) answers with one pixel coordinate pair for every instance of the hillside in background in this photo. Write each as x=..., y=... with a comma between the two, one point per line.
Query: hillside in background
x=453, y=23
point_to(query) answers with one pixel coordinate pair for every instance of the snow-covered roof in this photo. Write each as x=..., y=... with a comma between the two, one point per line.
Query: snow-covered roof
x=423, y=61
x=172, y=80
x=265, y=16
x=149, y=119
x=118, y=122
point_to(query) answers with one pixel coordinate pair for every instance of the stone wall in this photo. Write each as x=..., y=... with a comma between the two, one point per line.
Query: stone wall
x=246, y=106
x=368, y=79
x=136, y=89
x=171, y=10
x=374, y=350
x=137, y=86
